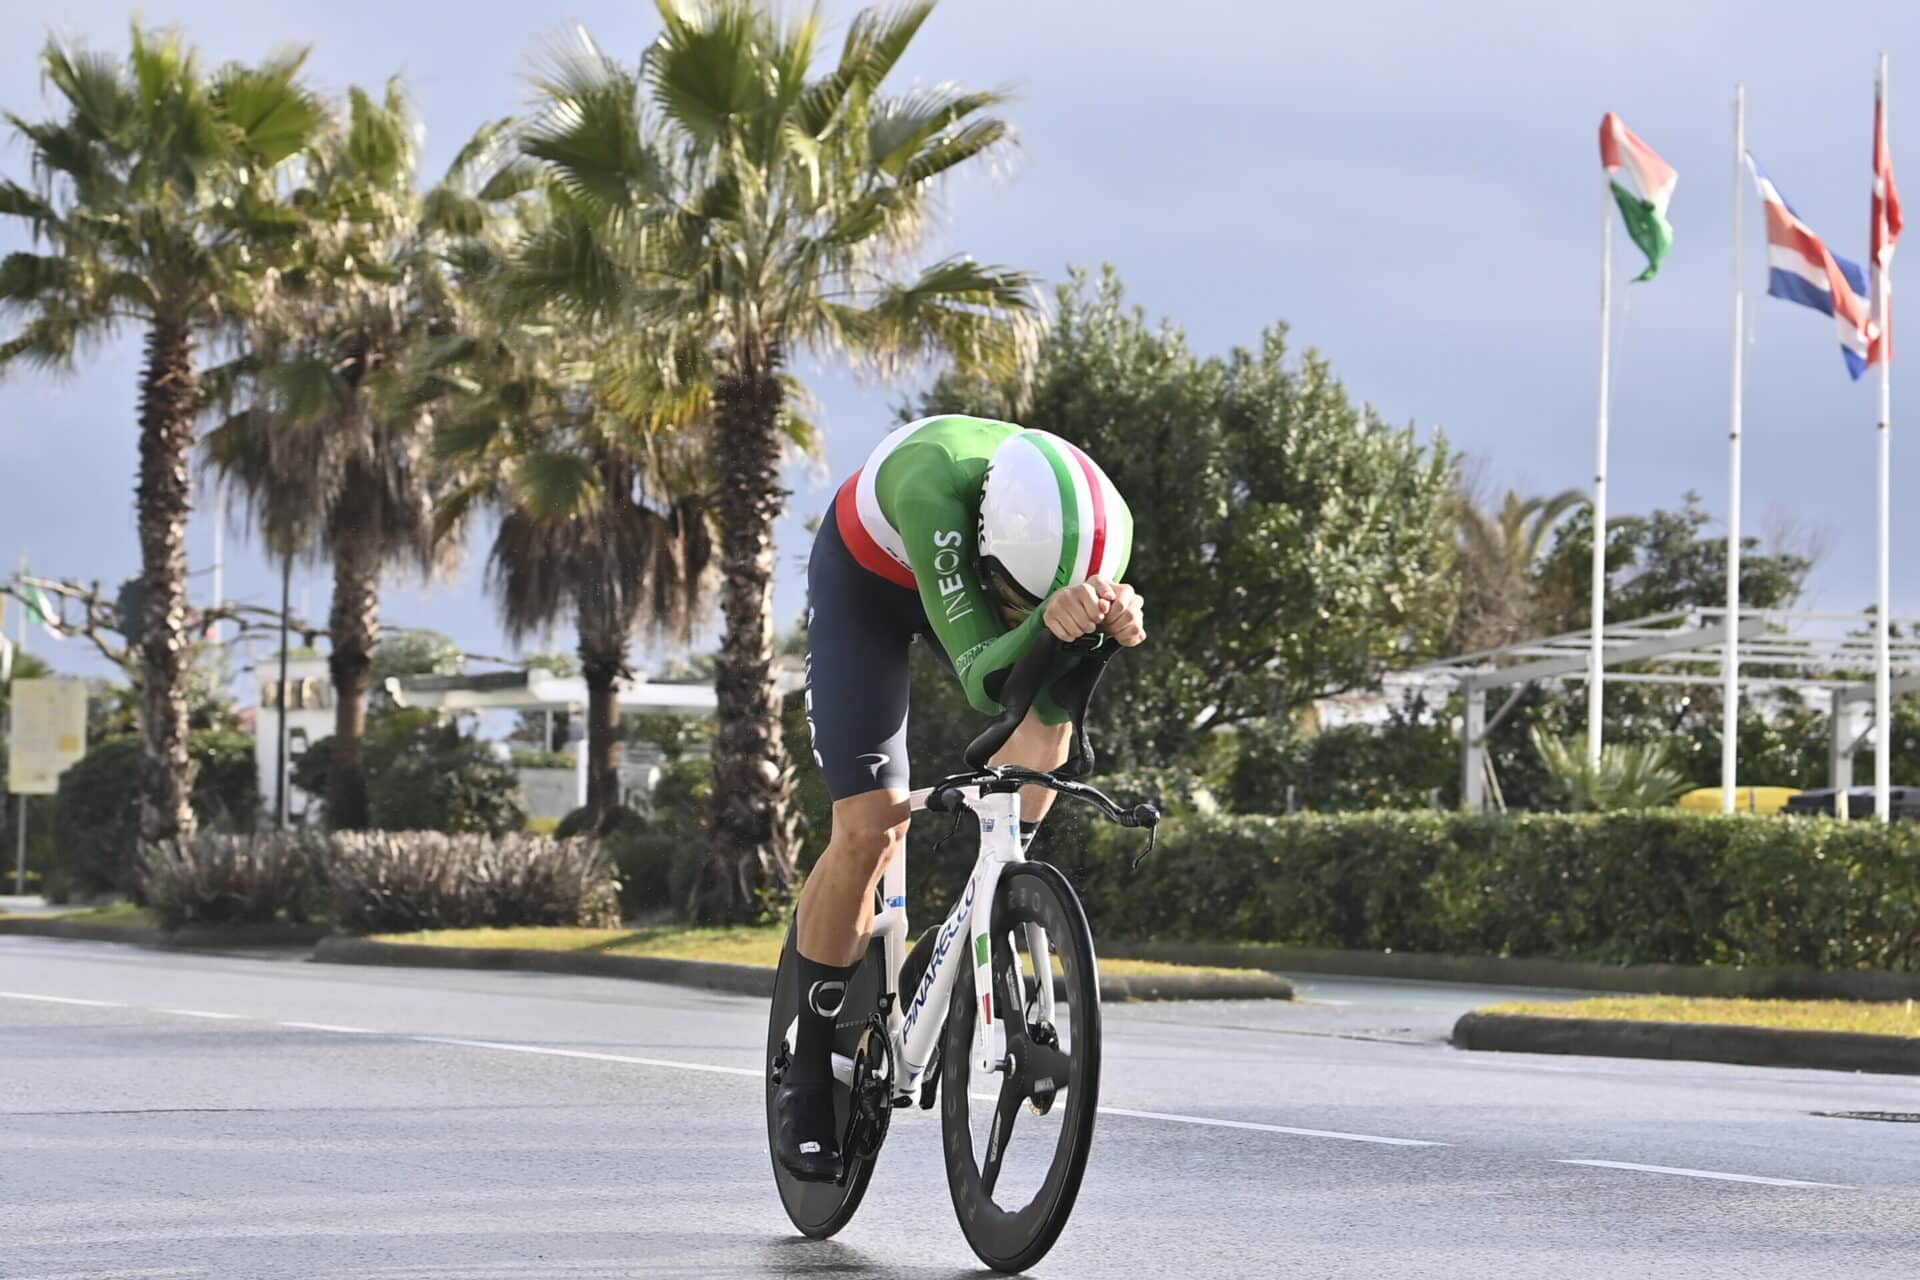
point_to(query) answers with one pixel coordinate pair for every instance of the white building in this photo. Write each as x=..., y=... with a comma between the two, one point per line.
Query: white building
x=309, y=719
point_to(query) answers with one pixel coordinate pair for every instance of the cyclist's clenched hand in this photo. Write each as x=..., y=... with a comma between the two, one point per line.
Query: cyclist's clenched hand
x=1125, y=618
x=1077, y=611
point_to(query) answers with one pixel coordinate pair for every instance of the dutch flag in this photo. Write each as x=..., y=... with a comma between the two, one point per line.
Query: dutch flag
x=1800, y=268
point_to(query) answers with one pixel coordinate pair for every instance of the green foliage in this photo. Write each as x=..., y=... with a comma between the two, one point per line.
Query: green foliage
x=97, y=811
x=1658, y=563
x=214, y=880
x=673, y=736
x=399, y=881
x=460, y=786
x=1626, y=888
x=1403, y=764
x=1288, y=542
x=1628, y=775
x=521, y=758
x=416, y=653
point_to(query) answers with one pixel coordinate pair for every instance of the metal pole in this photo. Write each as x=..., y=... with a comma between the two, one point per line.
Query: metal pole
x=280, y=701
x=1596, y=658
x=20, y=853
x=1883, y=664
x=1730, y=658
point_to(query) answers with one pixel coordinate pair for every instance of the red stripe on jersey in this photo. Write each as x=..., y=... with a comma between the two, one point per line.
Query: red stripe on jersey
x=866, y=552
x=1099, y=509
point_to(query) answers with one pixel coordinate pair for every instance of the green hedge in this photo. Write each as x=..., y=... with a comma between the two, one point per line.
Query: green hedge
x=1618, y=888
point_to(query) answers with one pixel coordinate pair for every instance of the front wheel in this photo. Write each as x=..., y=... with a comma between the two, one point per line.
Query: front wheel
x=1014, y=1160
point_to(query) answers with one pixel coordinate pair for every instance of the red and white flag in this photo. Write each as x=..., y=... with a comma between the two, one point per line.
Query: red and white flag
x=1886, y=230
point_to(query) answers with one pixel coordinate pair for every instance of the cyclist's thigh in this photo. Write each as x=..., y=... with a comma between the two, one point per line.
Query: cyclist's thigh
x=859, y=631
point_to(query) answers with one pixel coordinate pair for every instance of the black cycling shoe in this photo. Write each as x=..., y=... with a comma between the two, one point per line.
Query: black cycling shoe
x=804, y=1141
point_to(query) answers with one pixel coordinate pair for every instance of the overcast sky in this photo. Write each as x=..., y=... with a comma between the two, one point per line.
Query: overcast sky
x=1413, y=187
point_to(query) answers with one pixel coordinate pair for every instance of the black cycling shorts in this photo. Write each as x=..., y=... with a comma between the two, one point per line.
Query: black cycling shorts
x=860, y=631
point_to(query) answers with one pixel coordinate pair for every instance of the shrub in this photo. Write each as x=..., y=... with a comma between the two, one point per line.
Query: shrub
x=396, y=881
x=97, y=811
x=1626, y=888
x=460, y=787
x=579, y=822
x=211, y=879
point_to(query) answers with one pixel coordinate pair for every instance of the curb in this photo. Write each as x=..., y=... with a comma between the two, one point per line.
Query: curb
x=1509, y=971
x=1693, y=1042
x=745, y=979
x=191, y=939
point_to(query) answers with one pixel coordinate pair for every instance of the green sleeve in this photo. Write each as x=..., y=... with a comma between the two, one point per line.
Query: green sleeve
x=936, y=525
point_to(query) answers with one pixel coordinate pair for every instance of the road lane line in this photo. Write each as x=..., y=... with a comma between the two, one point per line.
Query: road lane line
x=1210, y=1123
x=325, y=1026
x=549, y=1052
x=91, y=1004
x=202, y=1013
x=1705, y=1173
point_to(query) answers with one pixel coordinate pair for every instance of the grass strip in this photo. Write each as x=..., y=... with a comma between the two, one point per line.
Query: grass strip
x=1890, y=1018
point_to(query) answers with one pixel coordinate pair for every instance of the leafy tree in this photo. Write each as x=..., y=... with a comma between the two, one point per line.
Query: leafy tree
x=1659, y=563
x=766, y=206
x=1289, y=544
x=157, y=192
x=97, y=817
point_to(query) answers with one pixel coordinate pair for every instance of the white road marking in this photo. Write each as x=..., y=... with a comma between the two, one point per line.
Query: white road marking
x=91, y=1004
x=201, y=1013
x=325, y=1026
x=1272, y=1128
x=547, y=1051
x=1705, y=1173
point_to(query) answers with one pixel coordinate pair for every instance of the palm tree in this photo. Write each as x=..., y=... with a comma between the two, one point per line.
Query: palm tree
x=157, y=194
x=757, y=207
x=1498, y=552
x=595, y=472
x=334, y=447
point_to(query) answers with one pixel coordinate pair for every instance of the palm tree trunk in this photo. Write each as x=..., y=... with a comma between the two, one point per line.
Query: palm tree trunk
x=752, y=855
x=601, y=659
x=169, y=400
x=353, y=629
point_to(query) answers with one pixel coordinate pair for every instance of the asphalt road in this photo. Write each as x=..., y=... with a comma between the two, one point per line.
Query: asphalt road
x=167, y=1115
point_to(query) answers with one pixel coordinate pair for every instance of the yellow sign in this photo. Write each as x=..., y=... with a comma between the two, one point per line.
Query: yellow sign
x=49, y=733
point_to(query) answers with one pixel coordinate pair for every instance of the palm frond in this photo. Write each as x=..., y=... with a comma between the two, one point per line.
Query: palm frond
x=553, y=485
x=273, y=113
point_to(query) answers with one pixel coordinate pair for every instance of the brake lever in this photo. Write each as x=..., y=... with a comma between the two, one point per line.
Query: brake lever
x=1153, y=834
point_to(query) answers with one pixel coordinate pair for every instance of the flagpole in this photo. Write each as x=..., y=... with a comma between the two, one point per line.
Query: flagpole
x=1596, y=655
x=1883, y=665
x=1730, y=656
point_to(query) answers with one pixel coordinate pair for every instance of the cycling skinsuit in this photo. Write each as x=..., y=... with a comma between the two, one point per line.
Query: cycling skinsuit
x=895, y=558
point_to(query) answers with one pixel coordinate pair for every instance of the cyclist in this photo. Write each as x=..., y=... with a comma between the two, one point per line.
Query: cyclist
x=975, y=533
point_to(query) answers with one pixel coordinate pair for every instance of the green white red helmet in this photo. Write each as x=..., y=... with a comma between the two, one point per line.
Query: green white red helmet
x=1049, y=518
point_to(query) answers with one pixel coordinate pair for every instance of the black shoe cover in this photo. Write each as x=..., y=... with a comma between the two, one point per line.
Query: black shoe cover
x=804, y=1140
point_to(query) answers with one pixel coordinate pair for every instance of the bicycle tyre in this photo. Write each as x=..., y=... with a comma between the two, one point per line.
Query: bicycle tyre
x=820, y=1209
x=1029, y=892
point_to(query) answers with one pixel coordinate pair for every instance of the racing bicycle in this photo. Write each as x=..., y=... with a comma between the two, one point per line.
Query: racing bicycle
x=995, y=1013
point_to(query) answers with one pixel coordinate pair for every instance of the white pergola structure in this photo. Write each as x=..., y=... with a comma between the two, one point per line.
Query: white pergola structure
x=1831, y=654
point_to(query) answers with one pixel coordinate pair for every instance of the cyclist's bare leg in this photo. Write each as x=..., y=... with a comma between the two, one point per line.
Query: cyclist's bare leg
x=1041, y=747
x=835, y=921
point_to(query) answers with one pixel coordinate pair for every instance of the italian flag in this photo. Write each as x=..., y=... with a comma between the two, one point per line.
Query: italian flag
x=1642, y=184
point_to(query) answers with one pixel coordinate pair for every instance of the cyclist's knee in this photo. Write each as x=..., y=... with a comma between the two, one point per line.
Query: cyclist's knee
x=869, y=830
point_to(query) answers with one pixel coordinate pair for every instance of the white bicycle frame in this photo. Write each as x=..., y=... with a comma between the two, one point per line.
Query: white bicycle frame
x=916, y=1020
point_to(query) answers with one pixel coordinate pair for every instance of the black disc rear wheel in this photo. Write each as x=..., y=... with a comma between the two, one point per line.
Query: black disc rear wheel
x=1016, y=1152
x=819, y=1209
